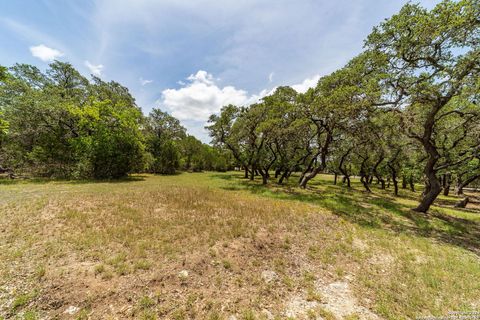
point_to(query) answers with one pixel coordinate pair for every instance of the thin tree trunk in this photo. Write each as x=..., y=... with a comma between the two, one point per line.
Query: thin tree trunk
x=343, y=170
x=393, y=172
x=395, y=182
x=363, y=176
x=434, y=187
x=264, y=174
x=466, y=183
x=307, y=169
x=348, y=181
x=364, y=181
x=433, y=156
x=277, y=173
x=446, y=189
x=307, y=177
x=323, y=158
x=375, y=171
x=284, y=175
x=462, y=203
x=412, y=185
x=459, y=187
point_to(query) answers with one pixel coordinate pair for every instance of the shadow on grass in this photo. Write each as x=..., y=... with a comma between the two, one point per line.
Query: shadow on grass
x=375, y=210
x=8, y=181
x=222, y=176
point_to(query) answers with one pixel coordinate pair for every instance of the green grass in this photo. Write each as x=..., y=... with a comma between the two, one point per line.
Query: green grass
x=122, y=244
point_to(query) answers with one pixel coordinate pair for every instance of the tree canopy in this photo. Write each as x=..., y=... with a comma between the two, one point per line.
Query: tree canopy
x=406, y=107
x=404, y=111
x=60, y=124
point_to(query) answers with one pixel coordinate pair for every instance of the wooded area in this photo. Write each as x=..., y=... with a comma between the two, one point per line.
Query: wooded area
x=403, y=111
x=58, y=124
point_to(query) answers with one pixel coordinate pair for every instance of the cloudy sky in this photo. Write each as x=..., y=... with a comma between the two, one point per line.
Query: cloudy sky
x=191, y=57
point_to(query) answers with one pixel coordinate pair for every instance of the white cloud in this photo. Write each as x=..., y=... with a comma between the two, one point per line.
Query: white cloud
x=144, y=82
x=94, y=69
x=201, y=97
x=270, y=76
x=306, y=84
x=201, y=77
x=45, y=53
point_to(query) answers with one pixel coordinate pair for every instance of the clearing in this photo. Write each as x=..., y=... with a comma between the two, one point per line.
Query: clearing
x=215, y=246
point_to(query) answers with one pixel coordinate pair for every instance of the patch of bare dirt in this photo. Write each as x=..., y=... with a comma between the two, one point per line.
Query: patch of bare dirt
x=336, y=298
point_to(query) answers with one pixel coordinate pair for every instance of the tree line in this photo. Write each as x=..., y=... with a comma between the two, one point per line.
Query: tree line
x=404, y=111
x=59, y=124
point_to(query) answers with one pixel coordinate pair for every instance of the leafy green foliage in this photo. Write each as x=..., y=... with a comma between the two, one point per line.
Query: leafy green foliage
x=59, y=124
x=407, y=106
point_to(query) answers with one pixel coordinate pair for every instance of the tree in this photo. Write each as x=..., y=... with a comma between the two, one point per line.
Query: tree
x=164, y=134
x=60, y=126
x=192, y=153
x=225, y=135
x=432, y=57
x=338, y=102
x=110, y=143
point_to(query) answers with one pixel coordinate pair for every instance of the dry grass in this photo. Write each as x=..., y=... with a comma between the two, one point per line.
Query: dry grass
x=120, y=250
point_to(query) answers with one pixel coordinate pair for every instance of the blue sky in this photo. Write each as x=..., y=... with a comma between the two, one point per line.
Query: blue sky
x=191, y=57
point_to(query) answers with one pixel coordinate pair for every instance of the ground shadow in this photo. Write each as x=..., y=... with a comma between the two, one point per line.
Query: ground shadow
x=378, y=209
x=7, y=181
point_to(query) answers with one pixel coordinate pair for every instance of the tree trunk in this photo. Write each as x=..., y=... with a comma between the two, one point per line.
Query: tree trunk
x=446, y=184
x=343, y=170
x=364, y=181
x=394, y=178
x=462, y=203
x=433, y=156
x=465, y=183
x=284, y=175
x=307, y=169
x=246, y=172
x=309, y=176
x=375, y=171
x=412, y=185
x=404, y=182
x=347, y=178
x=335, y=178
x=433, y=188
x=459, y=190
x=459, y=187
x=264, y=174
x=382, y=184
x=363, y=176
x=395, y=184
x=322, y=152
x=446, y=190
x=277, y=173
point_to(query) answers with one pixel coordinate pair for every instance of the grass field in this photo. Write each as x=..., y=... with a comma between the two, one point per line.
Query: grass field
x=214, y=246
